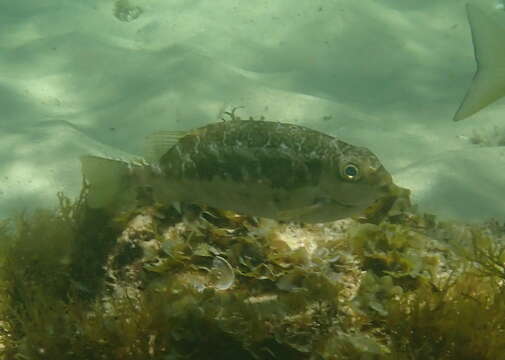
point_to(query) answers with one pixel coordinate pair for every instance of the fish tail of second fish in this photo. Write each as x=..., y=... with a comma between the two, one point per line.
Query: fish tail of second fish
x=110, y=182
x=488, y=84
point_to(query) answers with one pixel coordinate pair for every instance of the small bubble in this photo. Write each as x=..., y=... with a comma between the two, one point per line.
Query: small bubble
x=222, y=274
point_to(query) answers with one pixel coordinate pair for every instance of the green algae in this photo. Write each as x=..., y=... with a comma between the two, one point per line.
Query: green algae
x=79, y=284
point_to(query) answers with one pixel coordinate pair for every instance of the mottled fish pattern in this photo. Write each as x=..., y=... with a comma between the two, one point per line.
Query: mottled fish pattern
x=261, y=168
x=287, y=156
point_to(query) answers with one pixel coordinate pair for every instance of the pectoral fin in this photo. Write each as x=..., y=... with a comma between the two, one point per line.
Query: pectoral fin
x=294, y=214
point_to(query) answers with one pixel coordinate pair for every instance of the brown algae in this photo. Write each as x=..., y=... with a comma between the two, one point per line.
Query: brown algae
x=77, y=284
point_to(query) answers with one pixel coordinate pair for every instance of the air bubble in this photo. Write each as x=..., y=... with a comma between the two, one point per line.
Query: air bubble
x=221, y=274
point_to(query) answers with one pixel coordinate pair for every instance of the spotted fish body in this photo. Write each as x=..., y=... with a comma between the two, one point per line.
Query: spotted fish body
x=267, y=169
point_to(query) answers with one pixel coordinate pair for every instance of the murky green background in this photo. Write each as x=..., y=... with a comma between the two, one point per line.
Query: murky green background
x=97, y=76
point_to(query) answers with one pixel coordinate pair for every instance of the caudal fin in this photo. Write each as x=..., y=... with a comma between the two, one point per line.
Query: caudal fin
x=488, y=84
x=110, y=182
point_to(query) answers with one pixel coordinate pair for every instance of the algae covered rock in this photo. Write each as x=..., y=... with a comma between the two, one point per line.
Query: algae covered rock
x=78, y=284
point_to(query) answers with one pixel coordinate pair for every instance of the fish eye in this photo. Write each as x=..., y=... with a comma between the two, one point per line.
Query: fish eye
x=350, y=172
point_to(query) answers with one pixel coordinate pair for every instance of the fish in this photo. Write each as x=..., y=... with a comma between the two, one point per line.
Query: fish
x=253, y=167
x=488, y=84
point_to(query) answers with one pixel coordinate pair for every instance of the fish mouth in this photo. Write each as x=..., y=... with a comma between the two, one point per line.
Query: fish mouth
x=394, y=190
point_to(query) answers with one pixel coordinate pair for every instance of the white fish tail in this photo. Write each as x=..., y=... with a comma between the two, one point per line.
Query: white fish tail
x=488, y=84
x=111, y=182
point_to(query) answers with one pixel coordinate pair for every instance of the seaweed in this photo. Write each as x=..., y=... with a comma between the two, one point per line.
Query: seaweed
x=78, y=283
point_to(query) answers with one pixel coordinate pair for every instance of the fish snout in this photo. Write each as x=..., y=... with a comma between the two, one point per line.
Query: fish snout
x=382, y=180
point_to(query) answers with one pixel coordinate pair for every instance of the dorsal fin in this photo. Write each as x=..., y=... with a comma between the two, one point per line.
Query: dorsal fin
x=158, y=143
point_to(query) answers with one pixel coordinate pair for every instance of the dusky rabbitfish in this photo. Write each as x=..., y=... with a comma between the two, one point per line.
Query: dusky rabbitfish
x=260, y=168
